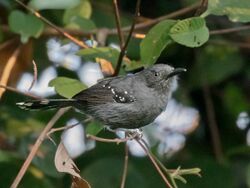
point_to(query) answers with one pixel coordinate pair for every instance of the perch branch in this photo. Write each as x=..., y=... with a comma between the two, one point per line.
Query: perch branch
x=146, y=150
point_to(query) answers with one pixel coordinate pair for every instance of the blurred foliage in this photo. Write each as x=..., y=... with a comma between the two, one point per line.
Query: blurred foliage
x=223, y=67
x=237, y=11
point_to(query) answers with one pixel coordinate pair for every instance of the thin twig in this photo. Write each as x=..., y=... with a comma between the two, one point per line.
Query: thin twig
x=233, y=43
x=7, y=69
x=34, y=75
x=123, y=50
x=146, y=150
x=118, y=23
x=53, y=130
x=59, y=30
x=36, y=146
x=125, y=168
x=20, y=92
x=161, y=18
x=229, y=30
x=213, y=124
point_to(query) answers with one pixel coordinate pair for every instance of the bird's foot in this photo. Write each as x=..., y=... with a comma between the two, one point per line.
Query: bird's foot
x=129, y=133
x=135, y=133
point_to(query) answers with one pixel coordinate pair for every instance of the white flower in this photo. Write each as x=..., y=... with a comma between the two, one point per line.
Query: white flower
x=90, y=73
x=40, y=87
x=74, y=140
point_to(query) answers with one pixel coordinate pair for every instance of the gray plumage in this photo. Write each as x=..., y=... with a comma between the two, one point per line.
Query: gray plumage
x=130, y=101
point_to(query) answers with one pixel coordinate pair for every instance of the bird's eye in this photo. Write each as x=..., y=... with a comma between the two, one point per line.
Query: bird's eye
x=156, y=73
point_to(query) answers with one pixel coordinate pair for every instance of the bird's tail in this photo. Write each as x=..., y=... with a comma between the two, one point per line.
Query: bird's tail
x=46, y=104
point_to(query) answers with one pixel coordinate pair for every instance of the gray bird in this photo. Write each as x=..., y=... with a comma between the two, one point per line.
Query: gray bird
x=129, y=102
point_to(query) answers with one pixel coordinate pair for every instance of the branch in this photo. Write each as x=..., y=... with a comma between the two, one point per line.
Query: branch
x=36, y=146
x=118, y=23
x=123, y=50
x=125, y=169
x=202, y=8
x=59, y=30
x=213, y=124
x=7, y=69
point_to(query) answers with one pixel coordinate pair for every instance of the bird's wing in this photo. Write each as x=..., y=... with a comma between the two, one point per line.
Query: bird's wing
x=106, y=91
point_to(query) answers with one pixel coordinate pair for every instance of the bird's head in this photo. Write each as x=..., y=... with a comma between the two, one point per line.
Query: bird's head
x=162, y=77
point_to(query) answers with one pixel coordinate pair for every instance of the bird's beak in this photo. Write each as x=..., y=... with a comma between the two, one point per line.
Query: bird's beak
x=175, y=72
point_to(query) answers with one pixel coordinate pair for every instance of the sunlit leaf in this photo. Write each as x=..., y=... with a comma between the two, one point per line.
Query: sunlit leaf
x=191, y=32
x=25, y=25
x=106, y=66
x=67, y=87
x=53, y=4
x=155, y=42
x=236, y=10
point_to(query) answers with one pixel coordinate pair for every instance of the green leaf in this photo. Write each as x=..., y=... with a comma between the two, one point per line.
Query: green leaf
x=83, y=10
x=191, y=32
x=67, y=87
x=81, y=24
x=105, y=172
x=20, y=128
x=94, y=127
x=107, y=53
x=155, y=42
x=53, y=4
x=235, y=100
x=132, y=65
x=236, y=10
x=25, y=25
x=214, y=64
x=7, y=156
